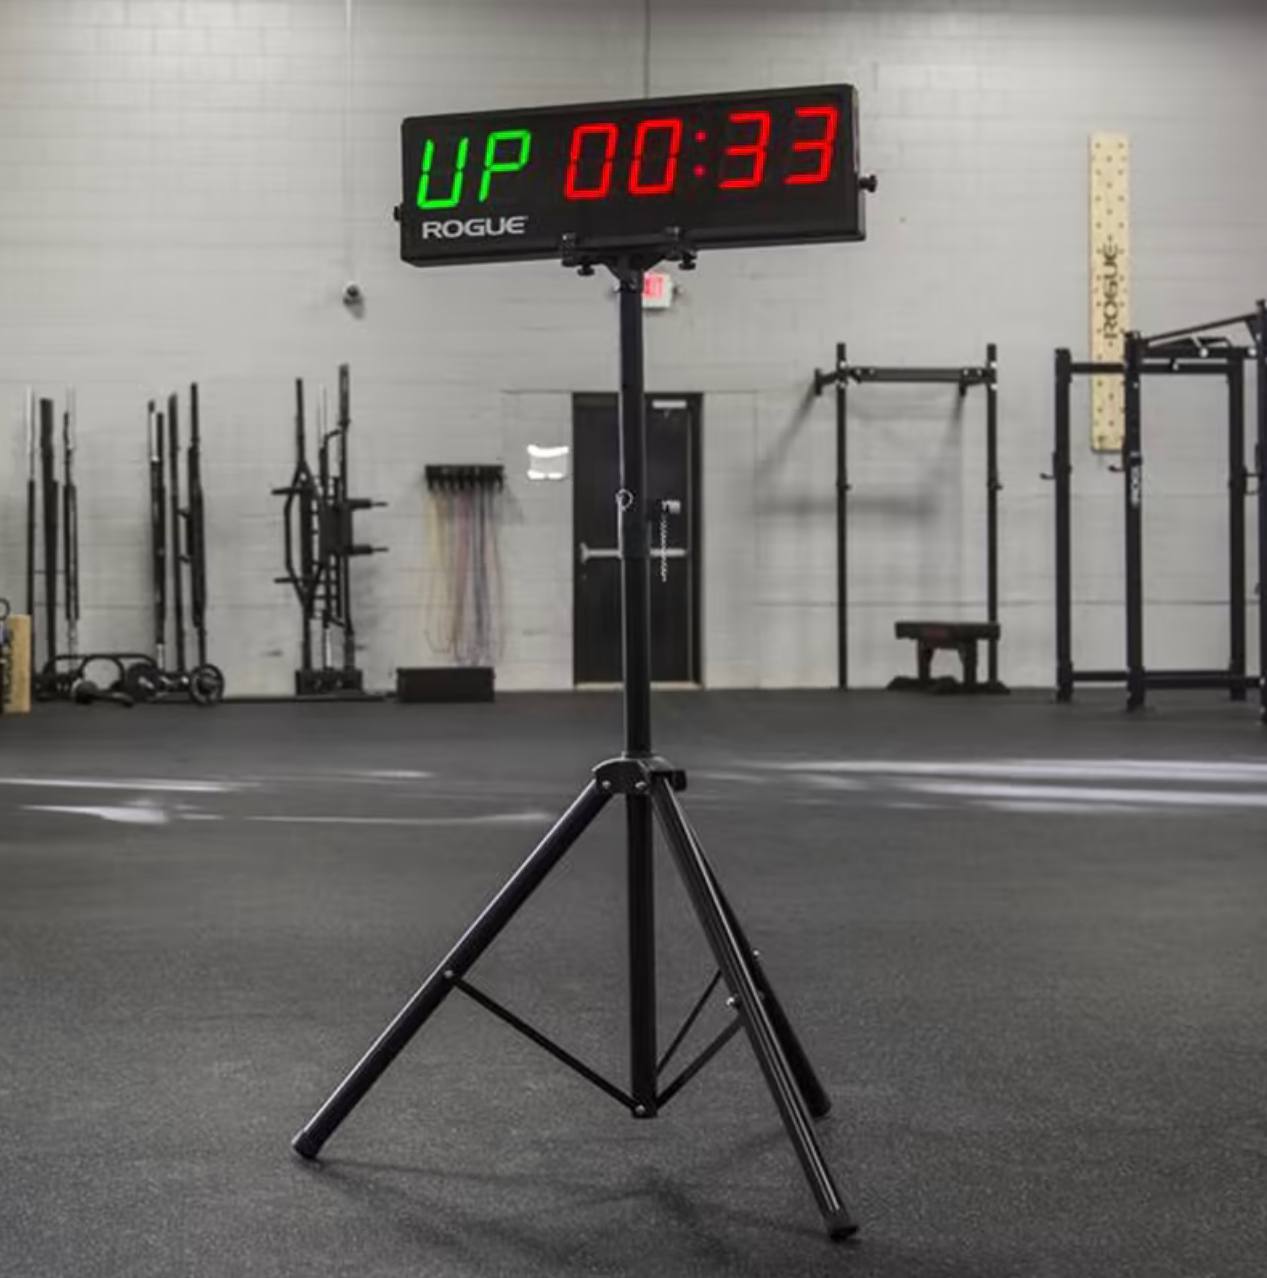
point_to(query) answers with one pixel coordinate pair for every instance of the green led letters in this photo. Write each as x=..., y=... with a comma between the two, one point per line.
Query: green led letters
x=459, y=173
x=493, y=165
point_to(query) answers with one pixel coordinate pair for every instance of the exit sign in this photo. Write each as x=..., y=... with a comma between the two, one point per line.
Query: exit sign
x=657, y=291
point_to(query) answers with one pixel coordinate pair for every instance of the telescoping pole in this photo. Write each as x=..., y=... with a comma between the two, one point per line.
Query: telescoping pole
x=842, y=518
x=635, y=583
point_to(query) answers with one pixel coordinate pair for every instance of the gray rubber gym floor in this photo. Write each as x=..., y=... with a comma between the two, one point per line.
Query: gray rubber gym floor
x=1025, y=945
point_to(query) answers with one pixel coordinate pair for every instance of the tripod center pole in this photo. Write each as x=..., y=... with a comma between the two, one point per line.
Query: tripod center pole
x=633, y=535
x=632, y=513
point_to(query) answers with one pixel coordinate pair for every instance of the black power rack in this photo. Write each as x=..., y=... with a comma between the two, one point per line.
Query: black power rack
x=1201, y=350
x=961, y=636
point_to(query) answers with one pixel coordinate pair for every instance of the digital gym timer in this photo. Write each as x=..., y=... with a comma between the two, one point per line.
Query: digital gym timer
x=715, y=171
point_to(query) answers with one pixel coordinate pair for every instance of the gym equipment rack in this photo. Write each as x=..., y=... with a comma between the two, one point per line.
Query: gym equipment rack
x=52, y=535
x=178, y=548
x=960, y=635
x=1196, y=351
x=319, y=547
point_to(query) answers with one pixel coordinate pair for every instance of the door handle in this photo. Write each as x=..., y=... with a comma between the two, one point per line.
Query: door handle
x=611, y=552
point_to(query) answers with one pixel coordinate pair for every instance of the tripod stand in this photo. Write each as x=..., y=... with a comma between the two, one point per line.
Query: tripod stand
x=649, y=786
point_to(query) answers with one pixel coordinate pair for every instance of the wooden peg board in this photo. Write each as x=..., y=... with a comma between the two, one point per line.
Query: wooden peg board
x=16, y=689
x=1110, y=280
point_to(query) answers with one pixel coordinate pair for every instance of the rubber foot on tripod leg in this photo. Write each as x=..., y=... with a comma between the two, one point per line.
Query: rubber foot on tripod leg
x=305, y=1145
x=840, y=1226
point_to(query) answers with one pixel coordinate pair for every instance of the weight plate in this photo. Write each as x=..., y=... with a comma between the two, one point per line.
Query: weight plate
x=143, y=681
x=206, y=685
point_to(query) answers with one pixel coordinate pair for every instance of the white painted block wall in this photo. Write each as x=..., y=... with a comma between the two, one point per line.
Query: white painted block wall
x=174, y=208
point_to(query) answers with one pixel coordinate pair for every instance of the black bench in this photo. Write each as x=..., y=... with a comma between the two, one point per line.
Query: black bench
x=962, y=637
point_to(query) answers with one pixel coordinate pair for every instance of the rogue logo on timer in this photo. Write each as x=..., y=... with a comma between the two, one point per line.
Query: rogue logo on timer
x=727, y=170
x=474, y=227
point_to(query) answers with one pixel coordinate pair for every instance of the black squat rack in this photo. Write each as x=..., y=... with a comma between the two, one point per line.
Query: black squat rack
x=1201, y=350
x=178, y=557
x=52, y=559
x=960, y=636
x=52, y=550
x=319, y=546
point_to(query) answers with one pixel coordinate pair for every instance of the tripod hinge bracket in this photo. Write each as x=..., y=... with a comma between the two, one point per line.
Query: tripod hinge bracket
x=635, y=775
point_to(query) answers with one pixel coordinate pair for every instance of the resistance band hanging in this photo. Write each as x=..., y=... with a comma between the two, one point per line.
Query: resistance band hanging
x=464, y=593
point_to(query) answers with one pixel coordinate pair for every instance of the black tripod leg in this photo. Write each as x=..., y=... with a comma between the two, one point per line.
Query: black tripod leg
x=477, y=938
x=735, y=964
x=812, y=1091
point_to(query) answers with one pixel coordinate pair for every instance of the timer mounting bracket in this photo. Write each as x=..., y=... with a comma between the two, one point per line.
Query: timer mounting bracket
x=675, y=247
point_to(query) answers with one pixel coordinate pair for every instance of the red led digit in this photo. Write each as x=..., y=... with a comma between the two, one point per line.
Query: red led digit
x=636, y=185
x=571, y=189
x=822, y=146
x=754, y=150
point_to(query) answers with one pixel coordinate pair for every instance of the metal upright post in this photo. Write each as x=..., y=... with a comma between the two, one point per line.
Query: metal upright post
x=70, y=528
x=344, y=516
x=842, y=518
x=51, y=503
x=1237, y=487
x=158, y=531
x=329, y=556
x=992, y=486
x=177, y=557
x=1061, y=468
x=31, y=434
x=307, y=514
x=197, y=530
x=635, y=585
x=1133, y=506
x=1260, y=466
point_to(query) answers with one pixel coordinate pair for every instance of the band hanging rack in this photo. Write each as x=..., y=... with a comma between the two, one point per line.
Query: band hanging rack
x=449, y=477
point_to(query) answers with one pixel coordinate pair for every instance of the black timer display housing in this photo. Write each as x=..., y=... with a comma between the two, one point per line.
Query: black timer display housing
x=718, y=171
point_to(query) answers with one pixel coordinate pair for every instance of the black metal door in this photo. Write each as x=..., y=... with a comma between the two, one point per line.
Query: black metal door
x=673, y=449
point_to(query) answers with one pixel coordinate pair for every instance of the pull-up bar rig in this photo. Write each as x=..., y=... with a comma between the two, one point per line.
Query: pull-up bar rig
x=1200, y=350
x=965, y=378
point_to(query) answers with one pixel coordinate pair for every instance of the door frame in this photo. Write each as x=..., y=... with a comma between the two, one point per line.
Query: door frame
x=694, y=403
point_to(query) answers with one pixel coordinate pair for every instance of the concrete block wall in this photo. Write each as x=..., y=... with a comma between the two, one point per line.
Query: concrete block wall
x=190, y=183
